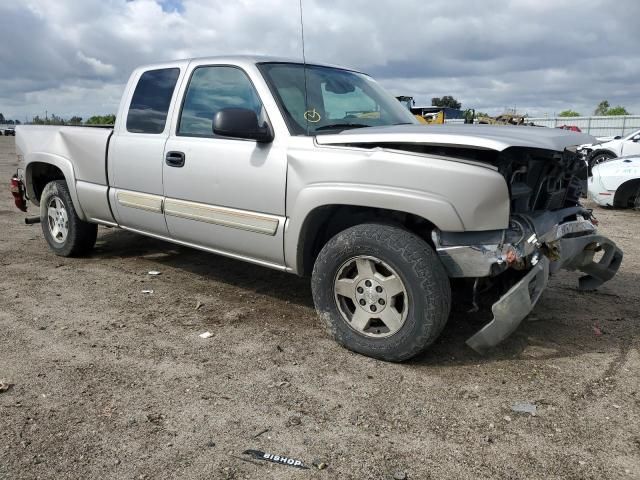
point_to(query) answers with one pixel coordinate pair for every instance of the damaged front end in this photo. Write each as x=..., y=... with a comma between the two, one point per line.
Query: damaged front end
x=548, y=230
x=535, y=247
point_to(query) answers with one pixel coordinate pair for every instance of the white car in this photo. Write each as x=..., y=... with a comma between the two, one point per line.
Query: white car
x=627, y=145
x=616, y=182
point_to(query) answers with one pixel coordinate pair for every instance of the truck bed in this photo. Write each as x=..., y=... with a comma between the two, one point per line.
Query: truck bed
x=83, y=147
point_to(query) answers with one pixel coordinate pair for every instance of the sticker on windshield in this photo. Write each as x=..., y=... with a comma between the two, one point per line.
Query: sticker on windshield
x=312, y=116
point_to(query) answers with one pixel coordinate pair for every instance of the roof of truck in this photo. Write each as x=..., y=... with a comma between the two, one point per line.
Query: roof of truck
x=240, y=60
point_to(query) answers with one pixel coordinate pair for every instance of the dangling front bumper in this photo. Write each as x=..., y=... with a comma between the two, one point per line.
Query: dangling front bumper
x=569, y=245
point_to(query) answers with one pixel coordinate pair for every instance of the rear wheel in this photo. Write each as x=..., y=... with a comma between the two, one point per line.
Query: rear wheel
x=381, y=291
x=66, y=234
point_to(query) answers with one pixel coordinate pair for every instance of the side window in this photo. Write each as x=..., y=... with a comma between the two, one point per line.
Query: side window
x=211, y=89
x=151, y=100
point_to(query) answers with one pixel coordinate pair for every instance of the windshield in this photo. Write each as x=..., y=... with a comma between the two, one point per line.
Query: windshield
x=633, y=135
x=335, y=99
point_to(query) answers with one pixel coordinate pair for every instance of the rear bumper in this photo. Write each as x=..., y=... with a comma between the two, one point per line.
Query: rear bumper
x=574, y=253
x=598, y=193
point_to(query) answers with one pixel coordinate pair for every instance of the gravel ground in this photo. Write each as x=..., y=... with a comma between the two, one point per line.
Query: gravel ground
x=114, y=383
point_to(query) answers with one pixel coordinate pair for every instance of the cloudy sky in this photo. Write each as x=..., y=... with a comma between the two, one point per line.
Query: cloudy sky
x=542, y=56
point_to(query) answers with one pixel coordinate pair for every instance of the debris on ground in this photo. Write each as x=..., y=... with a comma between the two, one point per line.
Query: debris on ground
x=524, y=407
x=154, y=272
x=597, y=330
x=507, y=418
x=294, y=421
x=399, y=476
x=147, y=291
x=5, y=387
x=279, y=384
x=319, y=464
x=206, y=335
x=198, y=305
x=280, y=459
x=262, y=432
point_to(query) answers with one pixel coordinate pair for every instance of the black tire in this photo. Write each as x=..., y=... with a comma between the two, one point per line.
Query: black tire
x=414, y=262
x=80, y=236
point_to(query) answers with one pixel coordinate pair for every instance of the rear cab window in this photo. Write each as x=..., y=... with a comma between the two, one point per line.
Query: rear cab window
x=151, y=101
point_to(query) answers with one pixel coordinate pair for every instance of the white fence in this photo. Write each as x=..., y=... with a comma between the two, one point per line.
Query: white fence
x=608, y=126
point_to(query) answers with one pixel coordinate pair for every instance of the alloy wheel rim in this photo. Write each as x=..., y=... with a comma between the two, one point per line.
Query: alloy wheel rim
x=371, y=297
x=57, y=220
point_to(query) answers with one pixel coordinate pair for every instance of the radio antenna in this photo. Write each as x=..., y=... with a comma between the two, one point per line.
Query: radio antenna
x=304, y=69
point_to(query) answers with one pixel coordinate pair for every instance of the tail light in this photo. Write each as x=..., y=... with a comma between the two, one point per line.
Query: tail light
x=17, y=190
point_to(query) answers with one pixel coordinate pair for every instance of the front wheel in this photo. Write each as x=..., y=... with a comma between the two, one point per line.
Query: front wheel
x=381, y=291
x=599, y=157
x=66, y=234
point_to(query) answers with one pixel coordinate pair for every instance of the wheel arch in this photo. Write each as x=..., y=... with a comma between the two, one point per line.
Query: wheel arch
x=42, y=168
x=600, y=151
x=625, y=192
x=325, y=221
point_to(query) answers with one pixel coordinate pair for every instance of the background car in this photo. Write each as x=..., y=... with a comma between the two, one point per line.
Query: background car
x=619, y=146
x=616, y=182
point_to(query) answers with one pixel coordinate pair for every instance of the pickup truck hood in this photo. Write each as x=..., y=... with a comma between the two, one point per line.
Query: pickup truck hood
x=484, y=137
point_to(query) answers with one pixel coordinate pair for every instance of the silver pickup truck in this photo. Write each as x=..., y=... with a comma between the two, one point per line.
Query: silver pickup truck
x=317, y=171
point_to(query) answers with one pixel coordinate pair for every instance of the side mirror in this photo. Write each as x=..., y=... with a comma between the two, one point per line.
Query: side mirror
x=241, y=123
x=636, y=138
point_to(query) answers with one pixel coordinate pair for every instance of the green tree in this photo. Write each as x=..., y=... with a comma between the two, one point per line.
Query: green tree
x=605, y=109
x=101, y=120
x=617, y=110
x=75, y=120
x=446, y=101
x=602, y=108
x=1, y=118
x=569, y=113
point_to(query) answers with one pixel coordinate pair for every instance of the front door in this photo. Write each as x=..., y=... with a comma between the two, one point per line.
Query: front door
x=224, y=194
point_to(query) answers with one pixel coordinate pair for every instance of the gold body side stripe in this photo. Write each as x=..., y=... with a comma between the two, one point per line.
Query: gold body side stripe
x=142, y=201
x=228, y=217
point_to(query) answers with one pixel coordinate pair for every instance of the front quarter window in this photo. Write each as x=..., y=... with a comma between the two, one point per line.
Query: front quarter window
x=317, y=100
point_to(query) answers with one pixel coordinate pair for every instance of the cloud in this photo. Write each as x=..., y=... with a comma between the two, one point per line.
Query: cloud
x=99, y=68
x=542, y=56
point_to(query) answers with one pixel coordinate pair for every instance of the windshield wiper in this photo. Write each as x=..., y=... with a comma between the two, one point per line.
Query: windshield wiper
x=335, y=126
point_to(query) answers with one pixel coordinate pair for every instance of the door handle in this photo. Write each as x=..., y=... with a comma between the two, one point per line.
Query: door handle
x=174, y=159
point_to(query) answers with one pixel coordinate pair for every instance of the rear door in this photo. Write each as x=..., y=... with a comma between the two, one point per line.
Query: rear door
x=224, y=194
x=137, y=147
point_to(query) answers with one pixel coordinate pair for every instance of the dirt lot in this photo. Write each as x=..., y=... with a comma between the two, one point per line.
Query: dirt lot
x=114, y=383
